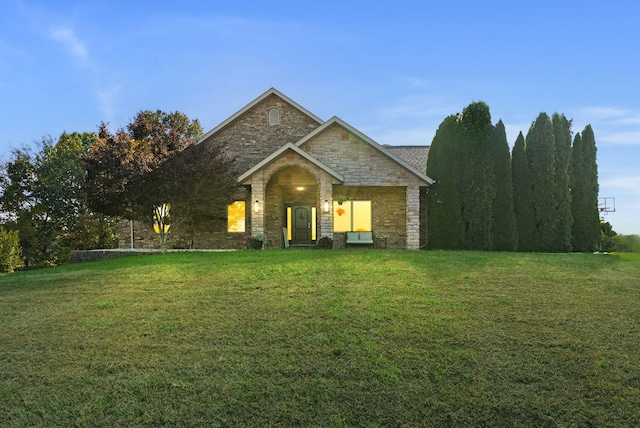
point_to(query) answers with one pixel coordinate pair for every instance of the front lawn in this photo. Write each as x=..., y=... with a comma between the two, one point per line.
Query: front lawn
x=324, y=338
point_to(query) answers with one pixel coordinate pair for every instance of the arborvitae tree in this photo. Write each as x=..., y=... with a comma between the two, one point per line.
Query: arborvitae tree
x=476, y=187
x=503, y=228
x=540, y=149
x=562, y=192
x=523, y=197
x=445, y=221
x=584, y=192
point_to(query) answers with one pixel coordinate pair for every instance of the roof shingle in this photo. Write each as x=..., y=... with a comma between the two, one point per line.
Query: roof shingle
x=415, y=156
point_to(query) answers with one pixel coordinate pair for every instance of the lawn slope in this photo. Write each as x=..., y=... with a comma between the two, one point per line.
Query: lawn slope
x=324, y=338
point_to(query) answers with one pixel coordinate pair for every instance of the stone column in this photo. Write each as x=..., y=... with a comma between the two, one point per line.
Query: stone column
x=257, y=194
x=413, y=217
x=326, y=194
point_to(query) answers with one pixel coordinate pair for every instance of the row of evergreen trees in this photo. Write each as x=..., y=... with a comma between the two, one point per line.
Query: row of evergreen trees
x=542, y=197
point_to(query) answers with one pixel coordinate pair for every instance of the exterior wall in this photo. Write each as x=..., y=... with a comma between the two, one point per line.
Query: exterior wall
x=359, y=163
x=363, y=165
x=388, y=211
x=142, y=238
x=249, y=139
x=210, y=234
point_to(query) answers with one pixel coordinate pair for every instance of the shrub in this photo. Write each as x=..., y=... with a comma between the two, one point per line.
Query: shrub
x=627, y=243
x=325, y=243
x=10, y=250
x=255, y=242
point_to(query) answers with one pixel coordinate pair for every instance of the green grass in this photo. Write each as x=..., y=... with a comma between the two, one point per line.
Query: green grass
x=324, y=338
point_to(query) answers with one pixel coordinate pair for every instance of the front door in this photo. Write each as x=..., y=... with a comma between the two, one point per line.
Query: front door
x=301, y=225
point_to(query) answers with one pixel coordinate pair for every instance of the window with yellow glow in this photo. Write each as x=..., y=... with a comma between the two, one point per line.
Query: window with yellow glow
x=313, y=223
x=352, y=216
x=236, y=217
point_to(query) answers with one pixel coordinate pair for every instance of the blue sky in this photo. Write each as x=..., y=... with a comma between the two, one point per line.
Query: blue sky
x=392, y=70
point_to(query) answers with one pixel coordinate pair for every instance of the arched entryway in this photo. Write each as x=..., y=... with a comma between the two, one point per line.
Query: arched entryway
x=292, y=208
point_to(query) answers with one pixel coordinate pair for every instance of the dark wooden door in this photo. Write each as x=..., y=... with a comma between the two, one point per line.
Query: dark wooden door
x=301, y=224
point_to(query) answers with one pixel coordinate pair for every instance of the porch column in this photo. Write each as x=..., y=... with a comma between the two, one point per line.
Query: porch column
x=413, y=217
x=257, y=194
x=326, y=194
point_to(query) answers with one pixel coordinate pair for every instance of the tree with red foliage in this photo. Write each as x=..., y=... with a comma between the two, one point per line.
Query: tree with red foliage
x=155, y=162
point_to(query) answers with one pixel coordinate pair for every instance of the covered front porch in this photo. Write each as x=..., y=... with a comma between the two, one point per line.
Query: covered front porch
x=294, y=209
x=297, y=200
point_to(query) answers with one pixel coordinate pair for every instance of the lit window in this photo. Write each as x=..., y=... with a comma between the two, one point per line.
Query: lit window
x=352, y=216
x=161, y=219
x=274, y=117
x=314, y=224
x=236, y=217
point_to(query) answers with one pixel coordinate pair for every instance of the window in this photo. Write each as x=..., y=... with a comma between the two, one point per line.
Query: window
x=274, y=117
x=352, y=216
x=236, y=217
x=162, y=219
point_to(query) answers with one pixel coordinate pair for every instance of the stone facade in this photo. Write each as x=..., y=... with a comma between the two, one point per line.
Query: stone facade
x=362, y=164
x=249, y=138
x=300, y=160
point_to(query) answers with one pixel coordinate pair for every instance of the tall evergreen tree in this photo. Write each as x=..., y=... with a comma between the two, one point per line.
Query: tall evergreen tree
x=445, y=221
x=523, y=197
x=476, y=189
x=584, y=192
x=503, y=228
x=562, y=191
x=540, y=149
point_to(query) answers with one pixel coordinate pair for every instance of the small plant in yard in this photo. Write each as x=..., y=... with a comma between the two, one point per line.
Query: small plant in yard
x=325, y=243
x=10, y=259
x=256, y=242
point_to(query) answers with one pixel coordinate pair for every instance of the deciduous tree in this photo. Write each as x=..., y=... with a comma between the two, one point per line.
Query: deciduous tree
x=41, y=198
x=155, y=162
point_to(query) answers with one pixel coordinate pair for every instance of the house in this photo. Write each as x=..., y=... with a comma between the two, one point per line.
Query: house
x=304, y=178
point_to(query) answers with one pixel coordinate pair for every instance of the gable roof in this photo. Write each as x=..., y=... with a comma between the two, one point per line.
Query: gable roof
x=413, y=155
x=384, y=150
x=275, y=155
x=253, y=103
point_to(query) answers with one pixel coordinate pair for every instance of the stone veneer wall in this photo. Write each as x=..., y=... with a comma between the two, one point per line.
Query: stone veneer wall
x=388, y=211
x=204, y=235
x=361, y=164
x=249, y=139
